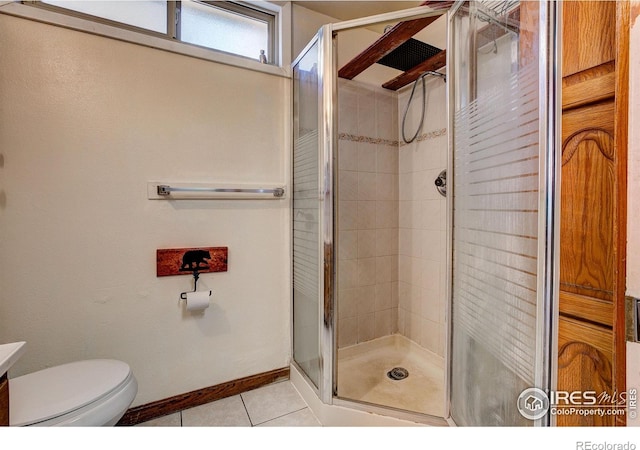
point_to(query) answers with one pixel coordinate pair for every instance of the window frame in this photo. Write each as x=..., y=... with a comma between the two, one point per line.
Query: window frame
x=241, y=9
x=269, y=16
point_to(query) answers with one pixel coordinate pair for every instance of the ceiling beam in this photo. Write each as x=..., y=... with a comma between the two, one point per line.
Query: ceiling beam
x=389, y=41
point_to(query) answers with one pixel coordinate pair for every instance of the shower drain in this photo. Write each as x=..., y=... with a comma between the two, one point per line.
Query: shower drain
x=398, y=373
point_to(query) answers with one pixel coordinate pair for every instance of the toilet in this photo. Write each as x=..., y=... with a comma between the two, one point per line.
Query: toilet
x=94, y=392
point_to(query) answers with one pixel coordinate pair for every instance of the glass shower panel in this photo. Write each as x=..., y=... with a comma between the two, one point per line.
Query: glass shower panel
x=307, y=287
x=499, y=154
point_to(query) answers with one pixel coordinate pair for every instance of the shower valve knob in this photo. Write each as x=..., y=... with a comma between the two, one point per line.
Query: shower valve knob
x=441, y=183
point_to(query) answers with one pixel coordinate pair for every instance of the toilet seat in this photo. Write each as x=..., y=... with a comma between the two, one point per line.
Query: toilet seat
x=78, y=393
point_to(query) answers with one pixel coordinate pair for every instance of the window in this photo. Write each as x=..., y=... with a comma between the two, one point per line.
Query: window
x=232, y=27
x=228, y=27
x=150, y=15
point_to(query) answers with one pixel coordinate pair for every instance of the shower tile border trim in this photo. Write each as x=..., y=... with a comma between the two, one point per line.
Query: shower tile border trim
x=160, y=408
x=366, y=139
x=429, y=135
x=381, y=141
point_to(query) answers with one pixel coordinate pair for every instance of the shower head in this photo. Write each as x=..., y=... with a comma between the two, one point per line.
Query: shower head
x=408, y=55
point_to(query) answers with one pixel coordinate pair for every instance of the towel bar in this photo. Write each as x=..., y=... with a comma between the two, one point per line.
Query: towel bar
x=159, y=191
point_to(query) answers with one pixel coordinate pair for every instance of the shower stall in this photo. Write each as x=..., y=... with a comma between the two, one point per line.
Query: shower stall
x=424, y=212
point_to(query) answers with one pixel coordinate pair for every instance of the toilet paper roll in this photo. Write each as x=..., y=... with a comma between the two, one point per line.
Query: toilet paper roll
x=198, y=301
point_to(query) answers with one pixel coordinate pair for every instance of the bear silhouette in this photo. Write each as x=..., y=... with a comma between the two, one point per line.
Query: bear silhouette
x=192, y=259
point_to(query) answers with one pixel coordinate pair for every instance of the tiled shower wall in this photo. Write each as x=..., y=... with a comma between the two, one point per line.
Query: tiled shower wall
x=391, y=220
x=422, y=223
x=367, y=213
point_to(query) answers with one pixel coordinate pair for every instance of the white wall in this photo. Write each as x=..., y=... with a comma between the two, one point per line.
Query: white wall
x=85, y=123
x=306, y=24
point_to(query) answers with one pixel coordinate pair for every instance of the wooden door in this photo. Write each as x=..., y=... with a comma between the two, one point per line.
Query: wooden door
x=590, y=282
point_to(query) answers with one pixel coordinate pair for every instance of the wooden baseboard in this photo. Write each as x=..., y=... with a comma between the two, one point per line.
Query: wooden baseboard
x=4, y=401
x=170, y=405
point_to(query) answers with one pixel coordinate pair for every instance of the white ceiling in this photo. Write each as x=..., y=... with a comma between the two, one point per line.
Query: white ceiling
x=347, y=10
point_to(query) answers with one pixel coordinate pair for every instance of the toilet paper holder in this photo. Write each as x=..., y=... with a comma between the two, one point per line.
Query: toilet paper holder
x=196, y=275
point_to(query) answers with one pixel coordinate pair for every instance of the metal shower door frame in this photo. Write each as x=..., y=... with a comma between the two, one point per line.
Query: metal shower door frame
x=328, y=140
x=549, y=85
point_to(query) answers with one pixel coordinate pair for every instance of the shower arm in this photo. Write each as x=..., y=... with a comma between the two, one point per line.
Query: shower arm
x=435, y=74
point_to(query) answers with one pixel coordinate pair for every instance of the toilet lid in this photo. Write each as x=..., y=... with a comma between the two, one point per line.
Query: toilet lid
x=56, y=391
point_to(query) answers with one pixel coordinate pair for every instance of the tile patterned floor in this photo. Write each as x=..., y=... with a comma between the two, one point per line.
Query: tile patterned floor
x=275, y=405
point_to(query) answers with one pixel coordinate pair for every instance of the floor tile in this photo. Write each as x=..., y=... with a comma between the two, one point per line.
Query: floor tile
x=171, y=420
x=272, y=401
x=302, y=418
x=227, y=412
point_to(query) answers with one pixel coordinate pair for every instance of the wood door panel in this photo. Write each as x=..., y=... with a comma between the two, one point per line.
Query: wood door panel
x=572, y=330
x=592, y=176
x=588, y=37
x=587, y=214
x=584, y=364
x=582, y=367
x=598, y=116
x=586, y=308
x=590, y=86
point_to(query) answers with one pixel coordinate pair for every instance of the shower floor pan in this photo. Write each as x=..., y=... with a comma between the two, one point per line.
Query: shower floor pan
x=363, y=368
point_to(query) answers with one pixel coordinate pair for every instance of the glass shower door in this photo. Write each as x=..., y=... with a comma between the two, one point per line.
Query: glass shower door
x=313, y=269
x=306, y=214
x=502, y=173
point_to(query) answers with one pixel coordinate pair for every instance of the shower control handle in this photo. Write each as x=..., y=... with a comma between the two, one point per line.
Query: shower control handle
x=441, y=183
